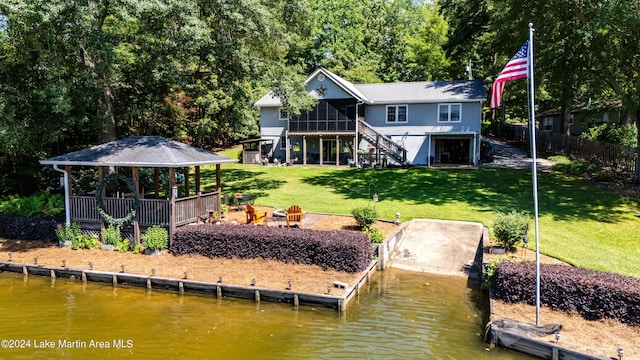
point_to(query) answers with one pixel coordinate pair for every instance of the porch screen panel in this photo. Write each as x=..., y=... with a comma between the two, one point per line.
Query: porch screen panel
x=332, y=112
x=313, y=114
x=323, y=107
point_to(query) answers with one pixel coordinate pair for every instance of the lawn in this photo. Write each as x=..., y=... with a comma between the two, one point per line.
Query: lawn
x=579, y=222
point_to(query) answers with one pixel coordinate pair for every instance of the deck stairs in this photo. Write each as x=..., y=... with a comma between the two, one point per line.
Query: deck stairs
x=383, y=144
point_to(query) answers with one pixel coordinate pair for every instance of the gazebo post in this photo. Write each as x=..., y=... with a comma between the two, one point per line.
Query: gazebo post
x=198, y=193
x=186, y=181
x=135, y=175
x=219, y=186
x=197, y=179
x=156, y=182
x=172, y=203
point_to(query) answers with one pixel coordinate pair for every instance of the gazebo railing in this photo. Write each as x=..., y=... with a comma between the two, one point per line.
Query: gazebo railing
x=150, y=212
x=154, y=212
x=83, y=209
x=192, y=208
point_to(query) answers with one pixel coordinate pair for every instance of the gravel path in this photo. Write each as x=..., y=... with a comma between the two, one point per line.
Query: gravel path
x=506, y=156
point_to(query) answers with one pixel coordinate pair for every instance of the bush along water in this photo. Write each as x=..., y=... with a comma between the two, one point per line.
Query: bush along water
x=349, y=251
x=376, y=236
x=155, y=238
x=111, y=235
x=509, y=229
x=365, y=216
x=69, y=233
x=593, y=294
x=28, y=228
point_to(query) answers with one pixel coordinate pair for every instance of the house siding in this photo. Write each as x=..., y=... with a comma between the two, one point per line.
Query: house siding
x=273, y=128
x=422, y=122
x=332, y=90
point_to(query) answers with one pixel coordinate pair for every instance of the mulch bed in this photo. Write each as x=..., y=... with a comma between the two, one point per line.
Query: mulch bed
x=267, y=273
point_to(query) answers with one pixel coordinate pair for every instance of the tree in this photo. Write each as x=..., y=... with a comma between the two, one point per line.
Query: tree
x=468, y=38
x=372, y=41
x=610, y=31
x=581, y=46
x=44, y=105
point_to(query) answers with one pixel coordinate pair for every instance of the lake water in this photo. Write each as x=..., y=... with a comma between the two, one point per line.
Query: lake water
x=398, y=315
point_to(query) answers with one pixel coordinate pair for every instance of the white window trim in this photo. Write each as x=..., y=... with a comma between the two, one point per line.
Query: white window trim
x=386, y=118
x=449, y=105
x=281, y=112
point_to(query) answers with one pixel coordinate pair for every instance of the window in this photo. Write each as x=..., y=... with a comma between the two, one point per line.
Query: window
x=449, y=113
x=283, y=142
x=397, y=114
x=547, y=124
x=284, y=115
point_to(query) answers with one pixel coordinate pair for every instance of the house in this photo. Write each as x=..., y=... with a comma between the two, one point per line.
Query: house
x=582, y=117
x=419, y=123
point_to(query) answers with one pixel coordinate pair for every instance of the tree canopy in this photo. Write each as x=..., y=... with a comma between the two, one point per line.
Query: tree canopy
x=74, y=74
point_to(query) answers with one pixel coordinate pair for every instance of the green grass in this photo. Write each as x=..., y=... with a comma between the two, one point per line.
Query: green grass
x=578, y=223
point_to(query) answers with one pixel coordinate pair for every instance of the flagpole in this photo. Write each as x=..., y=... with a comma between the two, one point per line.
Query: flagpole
x=534, y=170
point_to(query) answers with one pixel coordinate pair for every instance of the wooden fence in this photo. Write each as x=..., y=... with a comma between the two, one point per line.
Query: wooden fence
x=618, y=157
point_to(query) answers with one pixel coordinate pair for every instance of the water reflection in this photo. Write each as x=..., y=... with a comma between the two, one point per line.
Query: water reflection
x=398, y=315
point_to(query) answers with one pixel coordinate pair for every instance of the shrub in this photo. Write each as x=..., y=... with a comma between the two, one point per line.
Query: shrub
x=43, y=204
x=574, y=167
x=155, y=238
x=365, y=216
x=613, y=133
x=28, y=228
x=111, y=235
x=509, y=229
x=68, y=233
x=376, y=236
x=123, y=245
x=85, y=242
x=593, y=294
x=137, y=249
x=489, y=273
x=343, y=250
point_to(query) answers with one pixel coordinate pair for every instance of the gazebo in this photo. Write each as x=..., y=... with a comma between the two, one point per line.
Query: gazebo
x=138, y=152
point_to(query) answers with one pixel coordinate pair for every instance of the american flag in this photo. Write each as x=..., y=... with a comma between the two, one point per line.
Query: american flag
x=516, y=68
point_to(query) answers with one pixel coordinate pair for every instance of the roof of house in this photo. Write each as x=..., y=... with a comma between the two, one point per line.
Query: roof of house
x=400, y=92
x=140, y=151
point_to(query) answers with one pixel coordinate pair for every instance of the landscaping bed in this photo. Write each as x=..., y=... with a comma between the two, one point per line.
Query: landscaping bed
x=595, y=337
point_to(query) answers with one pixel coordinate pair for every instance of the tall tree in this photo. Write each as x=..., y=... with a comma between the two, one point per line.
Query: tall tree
x=610, y=31
x=44, y=105
x=374, y=41
x=581, y=46
x=469, y=37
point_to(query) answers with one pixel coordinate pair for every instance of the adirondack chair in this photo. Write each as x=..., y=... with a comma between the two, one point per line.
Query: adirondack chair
x=294, y=215
x=255, y=218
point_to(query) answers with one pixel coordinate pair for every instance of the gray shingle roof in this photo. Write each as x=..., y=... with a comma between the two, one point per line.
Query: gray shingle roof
x=424, y=91
x=140, y=151
x=400, y=92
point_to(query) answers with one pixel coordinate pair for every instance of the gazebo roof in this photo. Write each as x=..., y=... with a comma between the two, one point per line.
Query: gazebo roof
x=140, y=151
